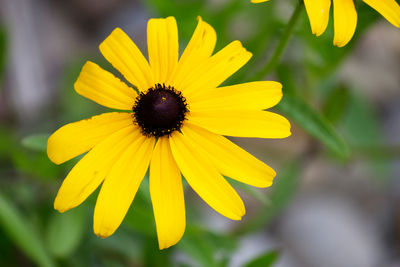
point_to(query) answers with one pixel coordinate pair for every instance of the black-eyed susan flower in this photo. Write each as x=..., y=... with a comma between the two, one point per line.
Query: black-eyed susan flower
x=174, y=126
x=344, y=16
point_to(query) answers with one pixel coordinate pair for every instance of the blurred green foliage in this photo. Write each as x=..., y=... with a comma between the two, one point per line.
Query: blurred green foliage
x=314, y=100
x=265, y=260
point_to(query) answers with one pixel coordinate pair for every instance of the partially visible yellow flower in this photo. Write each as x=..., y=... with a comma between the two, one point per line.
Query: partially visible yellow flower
x=174, y=124
x=344, y=16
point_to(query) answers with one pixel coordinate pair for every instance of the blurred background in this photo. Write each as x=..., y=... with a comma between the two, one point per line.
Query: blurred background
x=334, y=201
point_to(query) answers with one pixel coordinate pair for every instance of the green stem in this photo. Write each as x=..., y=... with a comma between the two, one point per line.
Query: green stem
x=284, y=40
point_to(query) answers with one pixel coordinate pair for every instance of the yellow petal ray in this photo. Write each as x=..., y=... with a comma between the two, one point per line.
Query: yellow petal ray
x=215, y=70
x=258, y=1
x=230, y=159
x=167, y=197
x=204, y=178
x=246, y=96
x=104, y=88
x=163, y=47
x=344, y=20
x=124, y=55
x=121, y=185
x=389, y=9
x=200, y=47
x=91, y=170
x=76, y=138
x=242, y=123
x=318, y=14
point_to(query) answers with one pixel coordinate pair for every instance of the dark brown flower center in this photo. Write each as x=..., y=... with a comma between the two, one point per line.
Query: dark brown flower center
x=160, y=110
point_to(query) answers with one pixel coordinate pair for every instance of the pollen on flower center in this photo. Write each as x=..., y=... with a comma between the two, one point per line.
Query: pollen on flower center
x=160, y=110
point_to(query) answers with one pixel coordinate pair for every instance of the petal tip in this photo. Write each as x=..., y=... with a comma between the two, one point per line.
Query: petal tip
x=58, y=207
x=52, y=151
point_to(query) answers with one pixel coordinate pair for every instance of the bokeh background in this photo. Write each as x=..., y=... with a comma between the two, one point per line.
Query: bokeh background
x=335, y=198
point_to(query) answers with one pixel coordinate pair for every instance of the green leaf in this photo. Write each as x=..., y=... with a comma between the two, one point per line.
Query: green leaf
x=36, y=142
x=65, y=232
x=265, y=260
x=207, y=248
x=337, y=103
x=313, y=123
x=22, y=234
x=252, y=191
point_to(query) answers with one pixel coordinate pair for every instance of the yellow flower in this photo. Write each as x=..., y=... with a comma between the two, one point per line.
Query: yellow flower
x=344, y=16
x=174, y=125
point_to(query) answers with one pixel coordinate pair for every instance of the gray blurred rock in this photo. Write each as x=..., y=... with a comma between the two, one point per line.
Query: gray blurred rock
x=329, y=231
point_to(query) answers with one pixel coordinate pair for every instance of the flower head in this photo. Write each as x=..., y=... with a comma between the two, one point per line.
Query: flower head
x=174, y=126
x=344, y=16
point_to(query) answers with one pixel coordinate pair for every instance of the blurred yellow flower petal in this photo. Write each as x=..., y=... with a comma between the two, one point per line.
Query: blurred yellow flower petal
x=345, y=21
x=318, y=13
x=390, y=9
x=345, y=16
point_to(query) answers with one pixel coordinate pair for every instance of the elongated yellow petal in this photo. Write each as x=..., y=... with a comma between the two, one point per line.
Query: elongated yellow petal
x=91, y=170
x=258, y=1
x=76, y=138
x=230, y=159
x=246, y=96
x=200, y=47
x=166, y=193
x=215, y=70
x=387, y=8
x=124, y=55
x=318, y=14
x=121, y=185
x=243, y=123
x=204, y=178
x=104, y=88
x=345, y=21
x=163, y=48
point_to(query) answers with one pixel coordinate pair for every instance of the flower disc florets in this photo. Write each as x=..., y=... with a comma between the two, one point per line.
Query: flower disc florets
x=160, y=110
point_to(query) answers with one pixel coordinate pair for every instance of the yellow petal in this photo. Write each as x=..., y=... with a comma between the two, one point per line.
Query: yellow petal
x=166, y=193
x=121, y=185
x=163, y=48
x=246, y=96
x=387, y=8
x=200, y=47
x=230, y=159
x=124, y=55
x=318, y=14
x=243, y=123
x=215, y=70
x=204, y=178
x=91, y=170
x=76, y=138
x=104, y=88
x=345, y=21
x=258, y=1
